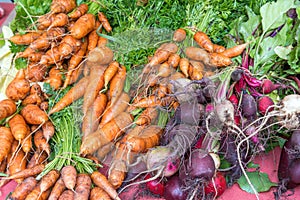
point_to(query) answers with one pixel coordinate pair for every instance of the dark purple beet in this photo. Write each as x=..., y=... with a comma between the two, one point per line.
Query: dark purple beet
x=174, y=189
x=188, y=113
x=248, y=106
x=294, y=173
x=236, y=75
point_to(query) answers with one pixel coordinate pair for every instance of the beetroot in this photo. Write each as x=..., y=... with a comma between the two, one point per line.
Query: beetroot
x=267, y=86
x=264, y=104
x=234, y=100
x=155, y=186
x=174, y=189
x=219, y=188
x=248, y=106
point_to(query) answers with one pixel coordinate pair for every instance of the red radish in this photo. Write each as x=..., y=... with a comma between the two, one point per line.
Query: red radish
x=234, y=100
x=217, y=186
x=264, y=104
x=267, y=86
x=155, y=186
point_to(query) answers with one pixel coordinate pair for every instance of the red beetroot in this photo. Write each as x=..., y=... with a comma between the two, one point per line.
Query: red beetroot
x=264, y=104
x=267, y=86
x=155, y=186
x=234, y=100
x=174, y=189
x=219, y=188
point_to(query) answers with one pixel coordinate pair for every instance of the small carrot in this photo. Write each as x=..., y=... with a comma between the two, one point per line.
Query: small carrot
x=36, y=159
x=104, y=150
x=25, y=173
x=110, y=72
x=64, y=6
x=26, y=143
x=117, y=173
x=219, y=60
x=3, y=165
x=92, y=40
x=234, y=51
x=18, y=127
x=150, y=101
x=36, y=194
x=218, y=48
x=198, y=54
x=57, y=189
x=101, y=181
x=174, y=60
x=160, y=57
x=67, y=195
x=49, y=180
x=106, y=25
x=23, y=189
x=83, y=187
x=148, y=116
x=176, y=75
x=61, y=19
x=179, y=35
x=19, y=87
x=83, y=26
x=33, y=114
x=48, y=130
x=184, y=66
x=99, y=194
x=25, y=39
x=78, y=11
x=7, y=108
x=35, y=72
x=196, y=70
x=203, y=41
x=40, y=141
x=69, y=174
x=72, y=95
x=102, y=41
x=116, y=85
x=7, y=139
x=41, y=43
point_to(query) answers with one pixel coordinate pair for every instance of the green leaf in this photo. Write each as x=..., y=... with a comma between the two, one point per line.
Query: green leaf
x=249, y=26
x=273, y=13
x=20, y=63
x=252, y=165
x=259, y=180
x=283, y=52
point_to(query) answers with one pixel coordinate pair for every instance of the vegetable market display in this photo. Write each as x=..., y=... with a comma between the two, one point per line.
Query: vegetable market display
x=110, y=94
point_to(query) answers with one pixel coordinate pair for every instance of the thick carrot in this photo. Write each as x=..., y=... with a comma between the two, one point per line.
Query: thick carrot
x=60, y=19
x=103, y=151
x=72, y=95
x=7, y=108
x=83, y=26
x=40, y=141
x=3, y=165
x=150, y=101
x=19, y=87
x=64, y=6
x=67, y=195
x=110, y=72
x=96, y=83
x=117, y=172
x=69, y=174
x=35, y=57
x=44, y=21
x=57, y=189
x=18, y=127
x=219, y=60
x=110, y=131
x=179, y=35
x=198, y=54
x=102, y=41
x=203, y=41
x=148, y=116
x=36, y=194
x=37, y=159
x=92, y=40
x=184, y=66
x=90, y=121
x=196, y=70
x=26, y=143
x=25, y=173
x=106, y=25
x=99, y=194
x=218, y=48
x=116, y=85
x=164, y=70
x=34, y=115
x=234, y=51
x=174, y=60
x=48, y=130
x=83, y=187
x=160, y=57
x=176, y=75
x=7, y=138
x=49, y=180
x=78, y=11
x=25, y=39
x=101, y=181
x=22, y=190
x=35, y=72
x=113, y=110
x=68, y=46
x=100, y=56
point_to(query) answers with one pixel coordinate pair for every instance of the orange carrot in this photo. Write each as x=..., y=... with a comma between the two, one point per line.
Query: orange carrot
x=35, y=72
x=101, y=181
x=100, y=56
x=44, y=21
x=57, y=189
x=184, y=66
x=25, y=39
x=110, y=72
x=117, y=172
x=114, y=110
x=109, y=132
x=19, y=87
x=174, y=60
x=92, y=40
x=195, y=73
x=18, y=127
x=22, y=190
x=106, y=25
x=99, y=194
x=76, y=74
x=101, y=42
x=234, y=51
x=69, y=174
x=36, y=159
x=91, y=119
x=68, y=46
x=60, y=19
x=103, y=151
x=34, y=115
x=176, y=75
x=150, y=101
x=78, y=11
x=49, y=180
x=7, y=108
x=83, y=26
x=67, y=195
x=48, y=130
x=203, y=41
x=179, y=35
x=72, y=95
x=164, y=70
x=219, y=60
x=64, y=6
x=36, y=194
x=26, y=143
x=83, y=187
x=3, y=165
x=25, y=173
x=116, y=85
x=148, y=116
x=35, y=57
x=198, y=54
x=55, y=78
x=6, y=137
x=218, y=48
x=40, y=142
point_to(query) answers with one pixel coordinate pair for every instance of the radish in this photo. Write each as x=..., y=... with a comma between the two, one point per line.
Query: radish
x=216, y=186
x=265, y=104
x=155, y=186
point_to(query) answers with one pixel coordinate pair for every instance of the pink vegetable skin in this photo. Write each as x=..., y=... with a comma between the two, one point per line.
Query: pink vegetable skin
x=267, y=86
x=155, y=186
x=217, y=187
x=265, y=104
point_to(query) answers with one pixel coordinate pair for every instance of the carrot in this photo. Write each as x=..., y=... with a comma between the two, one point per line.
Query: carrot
x=196, y=70
x=83, y=187
x=3, y=165
x=203, y=41
x=26, y=143
x=41, y=43
x=7, y=138
x=51, y=56
x=72, y=95
x=234, y=51
x=18, y=127
x=179, y=35
x=40, y=142
x=57, y=189
x=55, y=78
x=218, y=48
x=34, y=115
x=106, y=25
x=35, y=57
x=64, y=6
x=219, y=60
x=25, y=173
x=115, y=109
x=68, y=174
x=60, y=19
x=94, y=86
x=171, y=47
x=174, y=60
x=162, y=90
x=184, y=66
x=19, y=87
x=35, y=72
x=198, y=54
x=99, y=194
x=116, y=85
x=78, y=11
x=104, y=150
x=7, y=108
x=67, y=195
x=164, y=70
x=76, y=74
x=83, y=26
x=148, y=116
x=44, y=21
x=75, y=61
x=101, y=42
x=24, y=39
x=110, y=131
x=100, y=56
x=36, y=159
x=92, y=40
x=117, y=173
x=49, y=180
x=110, y=72
x=150, y=101
x=44, y=106
x=160, y=57
x=22, y=190
x=152, y=79
x=69, y=45
x=101, y=181
x=36, y=194
x=48, y=130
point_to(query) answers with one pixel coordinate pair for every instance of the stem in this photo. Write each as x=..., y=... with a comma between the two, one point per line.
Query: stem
x=28, y=14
